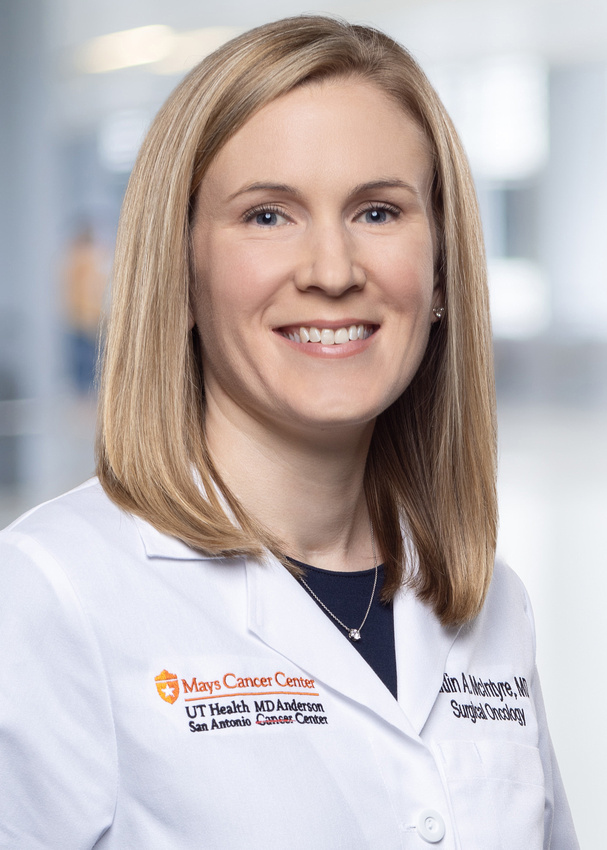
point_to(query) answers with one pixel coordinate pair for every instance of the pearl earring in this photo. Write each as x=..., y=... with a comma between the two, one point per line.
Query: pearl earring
x=438, y=312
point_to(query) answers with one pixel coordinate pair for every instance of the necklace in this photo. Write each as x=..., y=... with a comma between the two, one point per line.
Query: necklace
x=353, y=634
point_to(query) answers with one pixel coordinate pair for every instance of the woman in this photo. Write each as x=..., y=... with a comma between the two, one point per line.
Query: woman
x=295, y=516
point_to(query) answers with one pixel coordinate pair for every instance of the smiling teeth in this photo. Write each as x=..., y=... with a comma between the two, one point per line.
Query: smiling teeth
x=326, y=336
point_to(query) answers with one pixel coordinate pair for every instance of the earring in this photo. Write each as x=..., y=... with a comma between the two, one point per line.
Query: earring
x=439, y=312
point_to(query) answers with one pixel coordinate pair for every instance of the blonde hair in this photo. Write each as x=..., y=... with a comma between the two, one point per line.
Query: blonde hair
x=432, y=458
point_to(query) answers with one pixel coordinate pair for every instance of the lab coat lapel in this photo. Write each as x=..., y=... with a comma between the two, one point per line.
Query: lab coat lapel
x=283, y=616
x=422, y=648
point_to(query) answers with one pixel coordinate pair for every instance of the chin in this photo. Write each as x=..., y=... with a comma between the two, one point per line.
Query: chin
x=336, y=417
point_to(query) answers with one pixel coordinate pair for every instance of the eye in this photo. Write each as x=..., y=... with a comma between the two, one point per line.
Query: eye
x=266, y=216
x=378, y=214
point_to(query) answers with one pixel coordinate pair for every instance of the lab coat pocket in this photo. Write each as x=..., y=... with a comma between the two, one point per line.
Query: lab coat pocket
x=497, y=794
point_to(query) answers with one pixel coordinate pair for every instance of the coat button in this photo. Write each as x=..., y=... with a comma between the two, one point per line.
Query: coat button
x=431, y=826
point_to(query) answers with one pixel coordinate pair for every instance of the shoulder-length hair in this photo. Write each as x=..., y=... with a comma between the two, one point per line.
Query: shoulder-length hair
x=431, y=464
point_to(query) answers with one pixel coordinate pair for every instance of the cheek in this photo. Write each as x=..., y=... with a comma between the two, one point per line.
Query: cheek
x=238, y=281
x=408, y=278
x=217, y=297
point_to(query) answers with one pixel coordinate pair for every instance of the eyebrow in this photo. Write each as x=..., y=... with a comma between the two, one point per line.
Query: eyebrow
x=388, y=183
x=284, y=188
x=270, y=187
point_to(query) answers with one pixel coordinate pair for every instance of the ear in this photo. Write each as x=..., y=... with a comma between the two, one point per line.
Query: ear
x=438, y=300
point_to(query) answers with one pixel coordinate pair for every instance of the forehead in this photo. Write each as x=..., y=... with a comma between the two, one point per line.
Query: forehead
x=325, y=128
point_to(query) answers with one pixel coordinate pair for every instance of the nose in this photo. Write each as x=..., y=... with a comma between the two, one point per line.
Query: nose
x=329, y=263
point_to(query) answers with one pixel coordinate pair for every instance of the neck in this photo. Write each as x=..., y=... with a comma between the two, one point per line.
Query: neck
x=306, y=490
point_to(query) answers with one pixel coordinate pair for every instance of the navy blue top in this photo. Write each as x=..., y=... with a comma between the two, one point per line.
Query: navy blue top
x=347, y=596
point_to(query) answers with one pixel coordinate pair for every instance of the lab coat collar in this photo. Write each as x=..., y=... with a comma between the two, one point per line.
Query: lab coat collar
x=284, y=616
x=159, y=545
x=422, y=649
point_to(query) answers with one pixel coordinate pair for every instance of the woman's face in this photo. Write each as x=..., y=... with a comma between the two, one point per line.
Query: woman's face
x=315, y=221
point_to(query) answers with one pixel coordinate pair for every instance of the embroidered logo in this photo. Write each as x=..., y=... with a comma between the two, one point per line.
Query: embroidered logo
x=220, y=700
x=167, y=686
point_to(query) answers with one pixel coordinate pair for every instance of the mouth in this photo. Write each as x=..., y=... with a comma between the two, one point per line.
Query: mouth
x=336, y=335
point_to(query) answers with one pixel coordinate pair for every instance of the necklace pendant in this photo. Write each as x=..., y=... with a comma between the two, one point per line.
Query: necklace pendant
x=354, y=634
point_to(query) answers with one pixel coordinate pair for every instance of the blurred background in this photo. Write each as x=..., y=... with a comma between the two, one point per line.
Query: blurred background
x=526, y=83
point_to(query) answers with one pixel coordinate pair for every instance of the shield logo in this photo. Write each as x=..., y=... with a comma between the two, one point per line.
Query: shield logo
x=167, y=686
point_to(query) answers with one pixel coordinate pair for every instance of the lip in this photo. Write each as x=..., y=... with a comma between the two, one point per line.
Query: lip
x=317, y=349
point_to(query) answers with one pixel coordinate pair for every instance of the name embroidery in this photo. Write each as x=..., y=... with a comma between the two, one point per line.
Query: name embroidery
x=486, y=688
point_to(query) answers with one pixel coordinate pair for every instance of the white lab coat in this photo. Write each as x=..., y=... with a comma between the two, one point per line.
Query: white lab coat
x=156, y=698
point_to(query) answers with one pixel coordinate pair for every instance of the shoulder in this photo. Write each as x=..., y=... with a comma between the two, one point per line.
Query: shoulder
x=86, y=507
x=85, y=520
x=505, y=622
x=68, y=538
x=78, y=523
x=507, y=591
x=84, y=542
